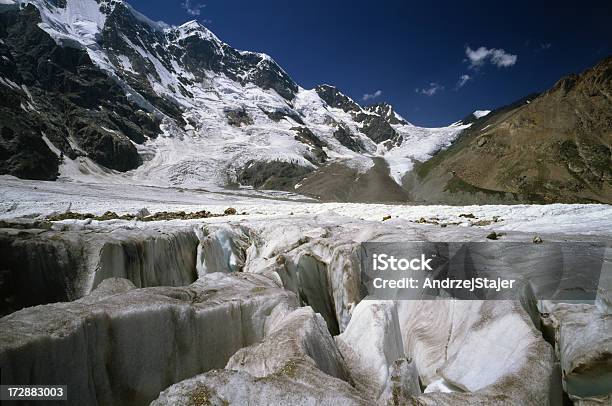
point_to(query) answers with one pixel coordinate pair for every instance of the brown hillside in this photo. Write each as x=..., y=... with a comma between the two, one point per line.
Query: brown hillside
x=554, y=148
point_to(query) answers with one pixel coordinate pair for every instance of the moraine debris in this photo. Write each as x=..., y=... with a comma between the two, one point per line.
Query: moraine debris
x=494, y=236
x=144, y=212
x=433, y=220
x=164, y=215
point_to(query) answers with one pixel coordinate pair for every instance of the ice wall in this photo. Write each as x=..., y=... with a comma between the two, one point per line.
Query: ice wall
x=123, y=345
x=297, y=363
x=148, y=258
x=37, y=270
x=222, y=248
x=43, y=265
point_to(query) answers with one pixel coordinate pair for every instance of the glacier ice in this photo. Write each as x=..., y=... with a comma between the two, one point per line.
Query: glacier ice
x=583, y=343
x=124, y=345
x=301, y=334
x=489, y=349
x=49, y=265
x=239, y=334
x=373, y=349
x=297, y=363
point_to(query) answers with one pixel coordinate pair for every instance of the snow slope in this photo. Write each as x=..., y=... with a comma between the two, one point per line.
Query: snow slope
x=79, y=21
x=481, y=113
x=420, y=144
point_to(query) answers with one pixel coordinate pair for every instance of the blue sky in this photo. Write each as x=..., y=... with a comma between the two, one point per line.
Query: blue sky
x=434, y=61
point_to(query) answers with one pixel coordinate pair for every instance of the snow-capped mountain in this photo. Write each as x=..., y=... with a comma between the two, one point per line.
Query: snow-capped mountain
x=97, y=91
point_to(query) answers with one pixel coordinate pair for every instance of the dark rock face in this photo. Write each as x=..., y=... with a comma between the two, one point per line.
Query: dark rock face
x=345, y=138
x=375, y=125
x=304, y=135
x=58, y=92
x=109, y=149
x=23, y=153
x=386, y=111
x=279, y=115
x=122, y=31
x=276, y=175
x=200, y=50
x=378, y=129
x=334, y=98
x=269, y=75
x=238, y=118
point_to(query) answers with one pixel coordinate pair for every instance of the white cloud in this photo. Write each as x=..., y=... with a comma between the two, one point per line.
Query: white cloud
x=477, y=57
x=431, y=90
x=370, y=96
x=463, y=80
x=482, y=55
x=192, y=8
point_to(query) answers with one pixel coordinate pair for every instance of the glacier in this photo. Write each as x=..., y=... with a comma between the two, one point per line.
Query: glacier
x=271, y=300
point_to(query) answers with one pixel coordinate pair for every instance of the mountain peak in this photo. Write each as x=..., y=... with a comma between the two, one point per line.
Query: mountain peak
x=191, y=24
x=387, y=111
x=335, y=98
x=195, y=28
